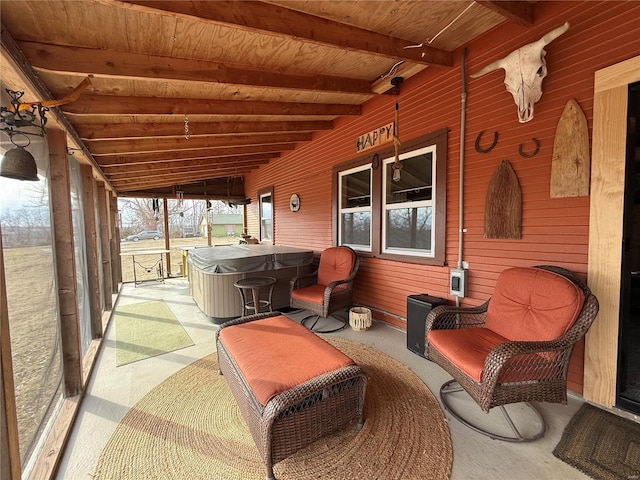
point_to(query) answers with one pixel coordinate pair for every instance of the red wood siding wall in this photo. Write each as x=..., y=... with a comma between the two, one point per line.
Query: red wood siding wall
x=554, y=230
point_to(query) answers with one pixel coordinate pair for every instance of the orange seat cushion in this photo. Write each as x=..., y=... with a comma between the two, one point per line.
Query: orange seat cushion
x=533, y=304
x=275, y=354
x=311, y=294
x=336, y=264
x=468, y=349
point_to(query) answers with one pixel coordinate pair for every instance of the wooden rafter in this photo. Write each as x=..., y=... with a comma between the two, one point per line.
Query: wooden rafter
x=113, y=172
x=263, y=17
x=105, y=147
x=179, y=179
x=518, y=12
x=126, y=105
x=177, y=129
x=134, y=65
x=107, y=161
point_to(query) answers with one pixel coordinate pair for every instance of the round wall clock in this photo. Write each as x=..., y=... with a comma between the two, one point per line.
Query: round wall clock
x=294, y=202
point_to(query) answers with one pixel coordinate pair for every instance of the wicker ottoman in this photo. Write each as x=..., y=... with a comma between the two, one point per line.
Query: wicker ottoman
x=292, y=387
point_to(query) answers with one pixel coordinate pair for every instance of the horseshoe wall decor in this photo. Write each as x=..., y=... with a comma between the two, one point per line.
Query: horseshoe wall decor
x=530, y=155
x=479, y=149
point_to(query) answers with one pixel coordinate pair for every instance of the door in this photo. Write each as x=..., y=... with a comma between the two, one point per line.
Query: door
x=628, y=384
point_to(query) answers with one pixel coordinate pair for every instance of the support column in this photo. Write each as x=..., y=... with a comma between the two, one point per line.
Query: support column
x=116, y=231
x=106, y=248
x=9, y=445
x=167, y=245
x=114, y=242
x=91, y=241
x=60, y=188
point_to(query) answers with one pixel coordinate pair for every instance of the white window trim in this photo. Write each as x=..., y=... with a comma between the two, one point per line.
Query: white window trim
x=425, y=203
x=341, y=211
x=260, y=203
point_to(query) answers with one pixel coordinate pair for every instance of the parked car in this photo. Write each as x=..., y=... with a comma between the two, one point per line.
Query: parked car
x=145, y=235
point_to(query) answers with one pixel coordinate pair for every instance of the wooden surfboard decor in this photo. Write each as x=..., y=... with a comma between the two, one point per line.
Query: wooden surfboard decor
x=571, y=161
x=503, y=205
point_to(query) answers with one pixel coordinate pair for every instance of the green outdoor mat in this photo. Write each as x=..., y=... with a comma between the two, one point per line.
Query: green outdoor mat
x=145, y=330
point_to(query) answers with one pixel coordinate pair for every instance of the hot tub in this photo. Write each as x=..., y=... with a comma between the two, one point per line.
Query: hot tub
x=213, y=271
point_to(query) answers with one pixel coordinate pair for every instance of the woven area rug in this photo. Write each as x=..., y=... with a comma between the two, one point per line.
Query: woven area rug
x=601, y=444
x=145, y=330
x=189, y=427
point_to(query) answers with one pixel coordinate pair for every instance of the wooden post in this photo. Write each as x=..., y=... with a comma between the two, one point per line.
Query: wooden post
x=106, y=248
x=208, y=218
x=9, y=445
x=116, y=236
x=60, y=188
x=114, y=241
x=91, y=241
x=166, y=236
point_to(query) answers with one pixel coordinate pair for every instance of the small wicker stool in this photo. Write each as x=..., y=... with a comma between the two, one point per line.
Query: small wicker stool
x=255, y=284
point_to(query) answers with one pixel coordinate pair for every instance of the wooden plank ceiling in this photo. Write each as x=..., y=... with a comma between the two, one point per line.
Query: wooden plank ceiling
x=189, y=94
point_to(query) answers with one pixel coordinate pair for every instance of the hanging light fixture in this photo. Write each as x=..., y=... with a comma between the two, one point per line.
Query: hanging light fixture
x=397, y=165
x=17, y=119
x=28, y=118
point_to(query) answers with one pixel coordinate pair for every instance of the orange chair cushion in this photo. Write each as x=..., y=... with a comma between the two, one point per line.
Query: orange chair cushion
x=533, y=304
x=336, y=263
x=311, y=294
x=275, y=354
x=468, y=348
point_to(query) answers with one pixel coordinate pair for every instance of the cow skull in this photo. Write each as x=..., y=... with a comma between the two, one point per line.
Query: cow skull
x=524, y=70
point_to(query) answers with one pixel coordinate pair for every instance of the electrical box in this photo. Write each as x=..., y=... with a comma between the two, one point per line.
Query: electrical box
x=458, y=282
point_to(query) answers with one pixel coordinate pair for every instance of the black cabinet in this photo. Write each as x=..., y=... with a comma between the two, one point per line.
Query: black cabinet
x=418, y=307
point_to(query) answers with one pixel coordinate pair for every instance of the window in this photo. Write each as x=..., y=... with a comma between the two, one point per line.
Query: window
x=265, y=201
x=355, y=208
x=409, y=204
x=399, y=220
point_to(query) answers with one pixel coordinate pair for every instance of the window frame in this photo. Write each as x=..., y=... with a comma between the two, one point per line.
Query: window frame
x=438, y=139
x=341, y=210
x=408, y=204
x=262, y=193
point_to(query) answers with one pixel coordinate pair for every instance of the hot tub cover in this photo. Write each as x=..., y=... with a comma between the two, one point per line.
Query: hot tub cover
x=248, y=258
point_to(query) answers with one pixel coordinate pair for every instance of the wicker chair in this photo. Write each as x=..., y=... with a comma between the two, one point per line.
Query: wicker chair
x=516, y=346
x=328, y=289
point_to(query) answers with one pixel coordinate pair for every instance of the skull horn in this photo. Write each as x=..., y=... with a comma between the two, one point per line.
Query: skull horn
x=553, y=34
x=489, y=68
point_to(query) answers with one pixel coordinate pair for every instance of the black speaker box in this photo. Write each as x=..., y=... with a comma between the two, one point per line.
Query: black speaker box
x=418, y=307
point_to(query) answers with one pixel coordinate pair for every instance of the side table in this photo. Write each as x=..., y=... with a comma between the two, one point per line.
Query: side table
x=255, y=284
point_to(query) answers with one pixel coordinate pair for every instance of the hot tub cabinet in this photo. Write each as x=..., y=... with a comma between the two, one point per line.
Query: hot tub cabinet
x=213, y=271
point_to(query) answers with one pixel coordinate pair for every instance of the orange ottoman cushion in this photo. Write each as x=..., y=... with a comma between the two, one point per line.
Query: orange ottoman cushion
x=275, y=354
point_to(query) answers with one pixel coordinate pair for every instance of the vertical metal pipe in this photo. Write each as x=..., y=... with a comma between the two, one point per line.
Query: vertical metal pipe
x=463, y=120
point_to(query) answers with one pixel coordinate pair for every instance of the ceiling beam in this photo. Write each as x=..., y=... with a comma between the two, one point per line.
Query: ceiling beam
x=518, y=12
x=178, y=179
x=127, y=145
x=181, y=174
x=95, y=61
x=177, y=129
x=226, y=188
x=194, y=154
x=113, y=171
x=128, y=105
x=263, y=17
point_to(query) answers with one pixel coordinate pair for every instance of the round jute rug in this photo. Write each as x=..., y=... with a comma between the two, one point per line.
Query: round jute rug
x=189, y=427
